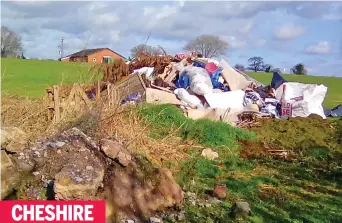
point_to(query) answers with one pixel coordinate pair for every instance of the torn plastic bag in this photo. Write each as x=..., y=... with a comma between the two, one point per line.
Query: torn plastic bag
x=200, y=82
x=145, y=70
x=277, y=80
x=270, y=109
x=336, y=112
x=182, y=82
x=252, y=98
x=134, y=97
x=189, y=99
x=215, y=78
x=301, y=100
x=327, y=112
x=230, y=99
x=271, y=106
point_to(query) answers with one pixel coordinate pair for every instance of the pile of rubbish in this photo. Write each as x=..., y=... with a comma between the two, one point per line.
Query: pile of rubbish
x=207, y=88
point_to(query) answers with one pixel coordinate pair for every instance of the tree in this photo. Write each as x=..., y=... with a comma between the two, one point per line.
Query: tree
x=207, y=45
x=299, y=69
x=11, y=44
x=240, y=67
x=145, y=49
x=267, y=68
x=256, y=63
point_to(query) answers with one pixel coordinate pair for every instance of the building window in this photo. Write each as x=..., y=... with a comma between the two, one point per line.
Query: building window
x=106, y=59
x=94, y=59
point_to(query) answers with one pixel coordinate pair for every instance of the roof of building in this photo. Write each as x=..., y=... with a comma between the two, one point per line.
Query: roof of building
x=88, y=52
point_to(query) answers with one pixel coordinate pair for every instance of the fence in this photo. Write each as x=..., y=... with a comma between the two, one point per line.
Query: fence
x=63, y=100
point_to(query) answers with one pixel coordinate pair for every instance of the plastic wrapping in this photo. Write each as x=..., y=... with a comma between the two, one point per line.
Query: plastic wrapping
x=200, y=82
x=335, y=112
x=145, y=70
x=225, y=100
x=187, y=98
x=252, y=98
x=277, y=80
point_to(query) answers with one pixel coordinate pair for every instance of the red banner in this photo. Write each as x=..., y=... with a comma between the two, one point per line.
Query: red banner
x=53, y=211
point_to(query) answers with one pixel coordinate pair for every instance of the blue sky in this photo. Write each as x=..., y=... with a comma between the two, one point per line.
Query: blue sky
x=283, y=33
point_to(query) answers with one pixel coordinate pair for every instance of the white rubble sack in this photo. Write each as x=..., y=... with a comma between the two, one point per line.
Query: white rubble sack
x=225, y=100
x=200, y=82
x=306, y=99
x=187, y=98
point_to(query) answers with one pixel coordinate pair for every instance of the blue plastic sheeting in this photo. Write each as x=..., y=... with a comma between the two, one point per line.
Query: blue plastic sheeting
x=277, y=80
x=183, y=81
x=198, y=64
x=335, y=112
x=214, y=80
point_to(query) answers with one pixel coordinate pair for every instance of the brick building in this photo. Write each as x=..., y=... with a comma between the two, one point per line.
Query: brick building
x=99, y=55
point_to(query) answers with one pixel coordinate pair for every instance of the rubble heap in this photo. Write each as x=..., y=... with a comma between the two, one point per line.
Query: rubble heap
x=207, y=88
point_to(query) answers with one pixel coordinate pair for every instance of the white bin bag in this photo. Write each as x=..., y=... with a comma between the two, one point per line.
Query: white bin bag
x=301, y=100
x=187, y=98
x=225, y=100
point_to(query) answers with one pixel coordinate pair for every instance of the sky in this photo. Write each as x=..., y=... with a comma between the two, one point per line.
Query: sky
x=283, y=33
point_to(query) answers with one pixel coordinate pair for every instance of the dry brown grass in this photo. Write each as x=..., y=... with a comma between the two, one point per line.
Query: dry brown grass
x=121, y=123
x=127, y=126
x=29, y=115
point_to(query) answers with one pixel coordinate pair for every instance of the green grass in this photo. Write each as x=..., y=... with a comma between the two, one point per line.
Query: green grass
x=165, y=119
x=31, y=77
x=334, y=94
x=304, y=189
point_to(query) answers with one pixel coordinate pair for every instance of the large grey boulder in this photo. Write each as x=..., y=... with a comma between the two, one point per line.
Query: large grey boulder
x=9, y=175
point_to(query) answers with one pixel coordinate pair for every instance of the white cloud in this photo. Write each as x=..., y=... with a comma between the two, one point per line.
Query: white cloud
x=234, y=42
x=260, y=43
x=162, y=12
x=246, y=28
x=289, y=31
x=107, y=19
x=120, y=25
x=322, y=47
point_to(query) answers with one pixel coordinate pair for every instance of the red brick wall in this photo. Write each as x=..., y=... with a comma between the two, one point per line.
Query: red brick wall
x=99, y=56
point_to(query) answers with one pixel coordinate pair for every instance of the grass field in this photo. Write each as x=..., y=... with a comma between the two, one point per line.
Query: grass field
x=31, y=77
x=306, y=187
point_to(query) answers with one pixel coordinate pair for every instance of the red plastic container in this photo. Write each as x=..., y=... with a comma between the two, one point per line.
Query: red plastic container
x=211, y=67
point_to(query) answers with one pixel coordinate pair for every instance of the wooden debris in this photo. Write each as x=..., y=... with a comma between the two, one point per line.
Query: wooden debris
x=155, y=96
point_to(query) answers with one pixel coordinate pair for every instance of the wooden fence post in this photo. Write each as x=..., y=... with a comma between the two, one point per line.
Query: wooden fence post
x=56, y=103
x=98, y=90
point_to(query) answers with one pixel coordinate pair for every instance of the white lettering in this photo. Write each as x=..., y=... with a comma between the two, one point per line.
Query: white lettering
x=70, y=212
x=88, y=212
x=78, y=211
x=16, y=217
x=28, y=211
x=50, y=216
x=39, y=212
x=61, y=210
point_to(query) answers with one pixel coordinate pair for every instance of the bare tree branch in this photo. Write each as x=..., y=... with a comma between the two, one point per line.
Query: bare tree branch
x=11, y=45
x=207, y=45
